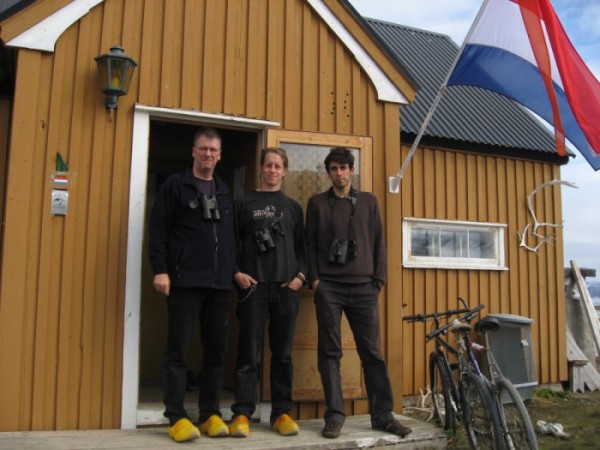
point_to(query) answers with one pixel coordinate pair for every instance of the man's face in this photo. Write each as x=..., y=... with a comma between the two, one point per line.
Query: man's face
x=340, y=174
x=206, y=154
x=273, y=170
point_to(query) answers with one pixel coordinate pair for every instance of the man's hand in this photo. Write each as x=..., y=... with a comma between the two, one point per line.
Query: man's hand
x=294, y=284
x=162, y=283
x=243, y=280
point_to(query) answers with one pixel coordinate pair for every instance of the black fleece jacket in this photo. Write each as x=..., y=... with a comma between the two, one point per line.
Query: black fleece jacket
x=194, y=251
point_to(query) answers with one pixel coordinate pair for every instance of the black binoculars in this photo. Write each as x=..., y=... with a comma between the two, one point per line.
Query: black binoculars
x=342, y=250
x=210, y=206
x=264, y=240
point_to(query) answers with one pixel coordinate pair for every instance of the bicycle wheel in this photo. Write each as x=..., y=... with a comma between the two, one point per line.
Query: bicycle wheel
x=443, y=408
x=480, y=417
x=519, y=432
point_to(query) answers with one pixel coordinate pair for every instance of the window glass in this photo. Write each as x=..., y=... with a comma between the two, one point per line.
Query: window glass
x=423, y=242
x=453, y=244
x=481, y=244
x=306, y=172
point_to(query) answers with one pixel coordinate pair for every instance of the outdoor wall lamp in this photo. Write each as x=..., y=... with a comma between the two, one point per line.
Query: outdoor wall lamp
x=115, y=70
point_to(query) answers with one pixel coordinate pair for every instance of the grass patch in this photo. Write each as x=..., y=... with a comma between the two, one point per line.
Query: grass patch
x=550, y=394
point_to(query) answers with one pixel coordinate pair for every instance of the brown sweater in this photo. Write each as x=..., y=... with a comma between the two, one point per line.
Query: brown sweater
x=329, y=217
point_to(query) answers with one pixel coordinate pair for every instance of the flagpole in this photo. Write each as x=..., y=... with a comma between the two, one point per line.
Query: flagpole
x=394, y=182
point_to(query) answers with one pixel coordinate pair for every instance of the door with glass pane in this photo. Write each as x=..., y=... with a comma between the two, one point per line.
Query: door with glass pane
x=306, y=176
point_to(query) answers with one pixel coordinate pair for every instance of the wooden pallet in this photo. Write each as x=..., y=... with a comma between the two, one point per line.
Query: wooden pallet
x=583, y=372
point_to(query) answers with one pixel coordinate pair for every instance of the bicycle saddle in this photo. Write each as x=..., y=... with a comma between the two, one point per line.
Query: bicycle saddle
x=457, y=325
x=487, y=324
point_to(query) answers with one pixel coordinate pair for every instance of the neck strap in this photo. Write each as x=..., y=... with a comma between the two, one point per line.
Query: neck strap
x=331, y=198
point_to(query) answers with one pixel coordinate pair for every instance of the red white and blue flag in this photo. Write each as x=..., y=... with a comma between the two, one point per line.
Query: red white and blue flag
x=518, y=48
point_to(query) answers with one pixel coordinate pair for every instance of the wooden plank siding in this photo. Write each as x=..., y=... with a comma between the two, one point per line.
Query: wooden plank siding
x=476, y=188
x=62, y=295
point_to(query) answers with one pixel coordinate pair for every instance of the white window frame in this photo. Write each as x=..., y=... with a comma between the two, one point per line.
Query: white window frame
x=440, y=262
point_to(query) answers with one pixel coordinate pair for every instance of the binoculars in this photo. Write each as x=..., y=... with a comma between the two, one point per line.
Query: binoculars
x=210, y=206
x=264, y=240
x=263, y=237
x=342, y=250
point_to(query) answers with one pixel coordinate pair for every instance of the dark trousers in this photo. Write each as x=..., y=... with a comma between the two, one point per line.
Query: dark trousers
x=280, y=306
x=185, y=307
x=359, y=303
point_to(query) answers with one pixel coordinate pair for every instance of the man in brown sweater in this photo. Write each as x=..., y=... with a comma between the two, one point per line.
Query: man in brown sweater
x=347, y=268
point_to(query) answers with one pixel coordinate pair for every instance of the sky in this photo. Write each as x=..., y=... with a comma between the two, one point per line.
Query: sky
x=581, y=21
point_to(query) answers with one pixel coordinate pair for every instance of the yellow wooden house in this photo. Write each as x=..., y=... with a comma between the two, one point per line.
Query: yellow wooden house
x=81, y=330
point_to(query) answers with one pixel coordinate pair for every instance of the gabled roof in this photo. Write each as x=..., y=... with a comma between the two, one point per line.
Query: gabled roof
x=467, y=117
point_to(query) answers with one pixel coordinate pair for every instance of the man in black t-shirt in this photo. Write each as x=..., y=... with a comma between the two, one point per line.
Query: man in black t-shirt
x=272, y=268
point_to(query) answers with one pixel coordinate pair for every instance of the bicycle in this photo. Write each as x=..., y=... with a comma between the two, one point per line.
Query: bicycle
x=445, y=403
x=470, y=398
x=516, y=424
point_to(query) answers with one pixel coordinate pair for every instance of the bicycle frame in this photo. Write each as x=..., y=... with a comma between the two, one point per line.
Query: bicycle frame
x=440, y=368
x=479, y=416
x=518, y=431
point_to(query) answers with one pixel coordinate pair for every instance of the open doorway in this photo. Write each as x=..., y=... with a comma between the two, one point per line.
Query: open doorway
x=170, y=151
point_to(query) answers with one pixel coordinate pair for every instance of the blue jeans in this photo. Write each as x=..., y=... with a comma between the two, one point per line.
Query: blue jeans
x=280, y=306
x=211, y=308
x=359, y=303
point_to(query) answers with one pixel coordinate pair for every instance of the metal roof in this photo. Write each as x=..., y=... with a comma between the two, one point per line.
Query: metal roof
x=466, y=115
x=10, y=7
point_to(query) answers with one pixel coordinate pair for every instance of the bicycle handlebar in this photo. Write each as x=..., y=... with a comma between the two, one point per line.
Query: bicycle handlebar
x=467, y=317
x=424, y=317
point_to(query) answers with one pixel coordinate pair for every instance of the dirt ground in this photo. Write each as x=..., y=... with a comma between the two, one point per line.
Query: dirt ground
x=579, y=414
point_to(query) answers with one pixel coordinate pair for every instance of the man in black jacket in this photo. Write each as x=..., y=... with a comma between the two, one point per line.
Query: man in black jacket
x=347, y=260
x=192, y=253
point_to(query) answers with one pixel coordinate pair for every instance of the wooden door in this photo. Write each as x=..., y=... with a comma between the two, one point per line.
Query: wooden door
x=307, y=176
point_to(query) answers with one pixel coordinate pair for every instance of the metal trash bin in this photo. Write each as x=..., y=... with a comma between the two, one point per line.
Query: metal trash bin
x=513, y=349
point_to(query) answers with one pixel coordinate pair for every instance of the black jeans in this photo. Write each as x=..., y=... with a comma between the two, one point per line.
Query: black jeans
x=359, y=303
x=211, y=308
x=280, y=306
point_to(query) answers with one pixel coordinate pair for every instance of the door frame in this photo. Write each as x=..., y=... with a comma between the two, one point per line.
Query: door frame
x=142, y=115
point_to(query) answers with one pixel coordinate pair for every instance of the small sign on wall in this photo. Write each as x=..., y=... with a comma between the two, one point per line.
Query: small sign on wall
x=61, y=183
x=60, y=202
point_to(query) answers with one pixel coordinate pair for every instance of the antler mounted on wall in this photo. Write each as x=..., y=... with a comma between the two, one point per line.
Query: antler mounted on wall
x=537, y=225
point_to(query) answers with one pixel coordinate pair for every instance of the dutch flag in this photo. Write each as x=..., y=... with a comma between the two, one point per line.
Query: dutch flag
x=518, y=48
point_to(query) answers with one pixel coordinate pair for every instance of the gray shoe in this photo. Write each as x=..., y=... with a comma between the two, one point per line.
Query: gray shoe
x=396, y=428
x=331, y=430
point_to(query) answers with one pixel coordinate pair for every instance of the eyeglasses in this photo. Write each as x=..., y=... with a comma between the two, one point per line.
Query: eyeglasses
x=207, y=149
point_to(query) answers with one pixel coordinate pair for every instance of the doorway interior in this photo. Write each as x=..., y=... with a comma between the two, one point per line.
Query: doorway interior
x=170, y=150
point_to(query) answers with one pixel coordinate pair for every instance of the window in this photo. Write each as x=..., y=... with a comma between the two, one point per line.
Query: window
x=448, y=244
x=306, y=153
